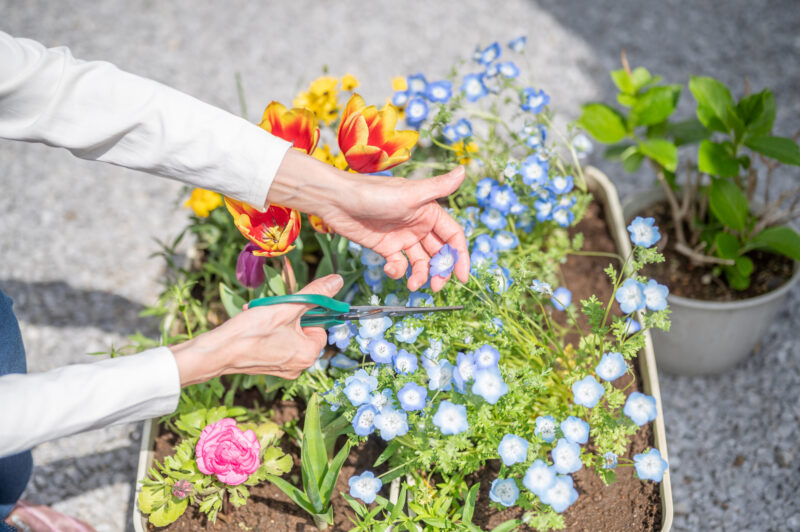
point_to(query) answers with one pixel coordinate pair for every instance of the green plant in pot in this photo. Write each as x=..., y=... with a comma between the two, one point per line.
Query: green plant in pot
x=730, y=246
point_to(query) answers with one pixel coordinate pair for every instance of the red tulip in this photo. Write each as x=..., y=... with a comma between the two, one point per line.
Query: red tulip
x=272, y=231
x=298, y=125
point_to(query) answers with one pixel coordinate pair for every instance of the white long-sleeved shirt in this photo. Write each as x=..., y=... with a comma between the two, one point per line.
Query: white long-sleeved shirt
x=101, y=113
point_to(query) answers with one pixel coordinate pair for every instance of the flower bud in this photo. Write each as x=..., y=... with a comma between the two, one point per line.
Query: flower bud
x=250, y=268
x=182, y=489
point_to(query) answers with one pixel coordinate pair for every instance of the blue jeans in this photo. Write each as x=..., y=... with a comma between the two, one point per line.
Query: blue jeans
x=15, y=470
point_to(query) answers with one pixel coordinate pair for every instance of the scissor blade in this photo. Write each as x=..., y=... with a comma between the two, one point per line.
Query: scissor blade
x=367, y=312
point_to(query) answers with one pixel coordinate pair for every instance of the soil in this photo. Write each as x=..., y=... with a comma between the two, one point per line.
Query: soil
x=629, y=504
x=697, y=281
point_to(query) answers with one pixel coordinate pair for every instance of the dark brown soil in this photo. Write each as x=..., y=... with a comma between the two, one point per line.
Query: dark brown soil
x=627, y=505
x=697, y=281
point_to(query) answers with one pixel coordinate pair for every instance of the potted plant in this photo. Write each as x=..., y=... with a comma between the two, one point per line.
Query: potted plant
x=731, y=248
x=492, y=418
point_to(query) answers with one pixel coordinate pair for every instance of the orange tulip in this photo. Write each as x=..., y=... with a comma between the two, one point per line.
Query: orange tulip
x=368, y=139
x=319, y=225
x=298, y=125
x=273, y=231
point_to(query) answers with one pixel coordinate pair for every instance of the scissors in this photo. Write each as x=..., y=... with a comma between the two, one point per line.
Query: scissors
x=330, y=312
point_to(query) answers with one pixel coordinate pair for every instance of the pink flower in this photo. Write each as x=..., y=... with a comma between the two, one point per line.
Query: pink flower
x=228, y=452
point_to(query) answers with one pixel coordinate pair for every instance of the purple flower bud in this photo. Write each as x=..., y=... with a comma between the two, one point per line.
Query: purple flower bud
x=182, y=489
x=250, y=268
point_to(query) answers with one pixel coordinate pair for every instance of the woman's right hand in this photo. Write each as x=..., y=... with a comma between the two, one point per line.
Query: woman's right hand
x=262, y=340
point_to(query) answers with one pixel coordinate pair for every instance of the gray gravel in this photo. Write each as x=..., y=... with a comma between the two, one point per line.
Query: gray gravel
x=76, y=236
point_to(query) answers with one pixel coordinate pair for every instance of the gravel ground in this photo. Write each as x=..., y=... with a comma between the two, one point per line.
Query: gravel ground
x=734, y=440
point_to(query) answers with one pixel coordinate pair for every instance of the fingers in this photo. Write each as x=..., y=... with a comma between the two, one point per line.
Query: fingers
x=420, y=264
x=396, y=265
x=449, y=231
x=440, y=186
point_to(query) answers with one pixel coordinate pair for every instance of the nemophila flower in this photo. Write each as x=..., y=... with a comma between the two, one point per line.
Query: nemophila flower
x=486, y=357
x=508, y=69
x=412, y=397
x=298, y=125
x=561, y=494
x=562, y=298
x=374, y=327
x=249, y=267
x=525, y=221
x=566, y=456
x=228, y=452
x=368, y=139
x=485, y=244
x=354, y=248
x=357, y=391
x=513, y=449
x=419, y=299
x=341, y=334
x=464, y=128
x=501, y=280
x=479, y=261
x=540, y=287
x=440, y=374
x=203, y=201
x=612, y=366
x=473, y=87
x=342, y=361
x=609, y=460
x=363, y=344
x=494, y=327
x=533, y=100
x=374, y=299
x=393, y=301
x=575, y=429
x=434, y=350
x=364, y=420
x=583, y=145
x=439, y=91
x=329, y=395
x=450, y=134
x=544, y=210
x=640, y=408
x=374, y=278
x=561, y=184
x=536, y=135
x=643, y=232
x=563, y=216
x=404, y=362
x=406, y=332
x=650, y=465
x=493, y=219
x=630, y=296
x=381, y=400
x=365, y=486
x=504, y=491
x=321, y=364
x=489, y=384
x=273, y=231
x=534, y=171
x=655, y=295
x=451, y=418
x=391, y=423
x=518, y=44
x=510, y=170
x=444, y=261
x=632, y=326
x=489, y=54
x=381, y=351
x=502, y=198
x=482, y=190
x=491, y=71
x=400, y=99
x=539, y=478
x=464, y=370
x=370, y=259
x=416, y=111
x=587, y=392
x=417, y=84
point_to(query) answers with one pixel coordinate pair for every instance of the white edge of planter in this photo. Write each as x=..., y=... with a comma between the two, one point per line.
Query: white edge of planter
x=146, y=457
x=606, y=192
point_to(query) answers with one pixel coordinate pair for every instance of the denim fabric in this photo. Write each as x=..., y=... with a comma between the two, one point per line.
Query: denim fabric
x=15, y=470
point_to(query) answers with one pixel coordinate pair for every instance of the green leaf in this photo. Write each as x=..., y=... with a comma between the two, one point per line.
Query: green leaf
x=151, y=497
x=779, y=148
x=230, y=300
x=623, y=81
x=781, y=239
x=469, y=504
x=727, y=245
x=736, y=280
x=615, y=153
x=603, y=123
x=687, y=132
x=707, y=117
x=729, y=204
x=275, y=462
x=169, y=512
x=632, y=159
x=313, y=456
x=661, y=151
x=744, y=265
x=332, y=474
x=297, y=496
x=387, y=453
x=436, y=522
x=715, y=159
x=357, y=507
x=655, y=105
x=626, y=100
x=758, y=112
x=641, y=77
x=275, y=281
x=509, y=525
x=714, y=96
x=397, y=508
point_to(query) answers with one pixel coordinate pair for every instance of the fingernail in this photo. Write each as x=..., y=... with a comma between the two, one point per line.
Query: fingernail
x=334, y=283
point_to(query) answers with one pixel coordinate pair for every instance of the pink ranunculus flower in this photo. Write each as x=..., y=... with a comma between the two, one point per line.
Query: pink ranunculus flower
x=228, y=452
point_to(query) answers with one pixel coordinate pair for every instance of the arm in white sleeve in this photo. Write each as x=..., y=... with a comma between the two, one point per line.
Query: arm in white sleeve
x=39, y=407
x=99, y=112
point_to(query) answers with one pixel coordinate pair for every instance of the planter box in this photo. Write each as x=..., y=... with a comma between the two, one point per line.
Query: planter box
x=605, y=192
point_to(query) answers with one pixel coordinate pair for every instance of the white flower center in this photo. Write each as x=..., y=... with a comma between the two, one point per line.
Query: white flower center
x=365, y=484
x=559, y=492
x=446, y=261
x=366, y=419
x=466, y=370
x=535, y=101
x=412, y=396
x=504, y=490
x=545, y=208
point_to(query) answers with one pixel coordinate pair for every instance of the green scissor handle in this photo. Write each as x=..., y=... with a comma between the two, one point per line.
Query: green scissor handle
x=325, y=315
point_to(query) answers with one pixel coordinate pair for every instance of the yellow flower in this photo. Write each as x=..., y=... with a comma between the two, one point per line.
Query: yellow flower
x=349, y=82
x=399, y=84
x=321, y=99
x=464, y=150
x=323, y=153
x=203, y=201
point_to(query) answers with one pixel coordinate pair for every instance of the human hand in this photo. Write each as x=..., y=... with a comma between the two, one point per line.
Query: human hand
x=261, y=340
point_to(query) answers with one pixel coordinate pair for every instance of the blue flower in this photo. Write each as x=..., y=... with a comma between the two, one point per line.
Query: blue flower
x=534, y=171
x=440, y=374
x=419, y=299
x=561, y=184
x=493, y=219
x=491, y=71
x=650, y=465
x=609, y=460
x=655, y=295
x=504, y=491
x=341, y=334
x=582, y=145
x=632, y=326
x=364, y=420
x=494, y=327
x=406, y=332
x=566, y=457
x=435, y=349
x=508, y=69
x=479, y=260
x=611, y=367
x=561, y=494
x=473, y=87
x=544, y=210
x=334, y=404
x=444, y=261
x=562, y=298
x=374, y=278
x=510, y=170
x=525, y=221
x=381, y=351
x=643, y=232
x=405, y=363
x=545, y=428
x=513, y=449
x=501, y=280
x=370, y=259
x=575, y=429
x=489, y=384
x=450, y=134
x=486, y=357
x=536, y=135
x=464, y=370
x=484, y=244
x=439, y=91
x=482, y=190
x=502, y=198
x=343, y=362
x=518, y=44
x=640, y=408
x=489, y=54
x=392, y=300
x=539, y=478
x=381, y=400
x=587, y=391
x=567, y=201
x=540, y=287
x=464, y=128
x=374, y=327
x=354, y=248
x=630, y=296
x=451, y=418
x=392, y=423
x=417, y=84
x=400, y=98
x=365, y=486
x=412, y=397
x=533, y=100
x=358, y=387
x=416, y=111
x=363, y=344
